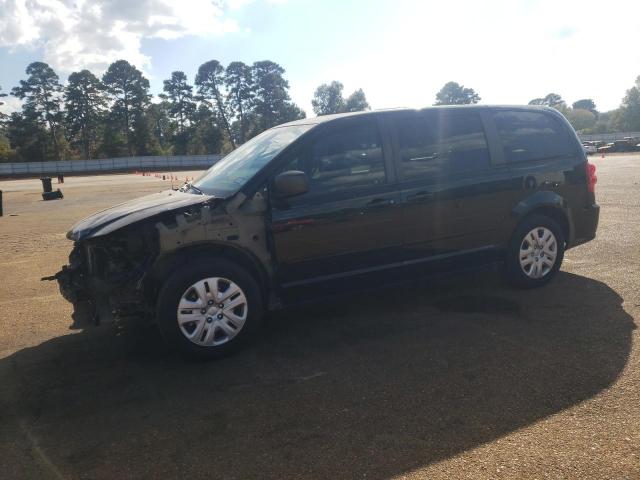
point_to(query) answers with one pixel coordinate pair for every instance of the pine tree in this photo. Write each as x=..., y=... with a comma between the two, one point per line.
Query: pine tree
x=41, y=92
x=210, y=81
x=129, y=93
x=241, y=96
x=86, y=107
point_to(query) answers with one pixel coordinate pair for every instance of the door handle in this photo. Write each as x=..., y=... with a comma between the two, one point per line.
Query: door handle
x=420, y=196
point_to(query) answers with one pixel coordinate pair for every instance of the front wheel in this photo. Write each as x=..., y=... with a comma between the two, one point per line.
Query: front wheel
x=210, y=308
x=535, y=252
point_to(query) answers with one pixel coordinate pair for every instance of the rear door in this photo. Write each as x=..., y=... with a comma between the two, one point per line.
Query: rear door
x=349, y=220
x=543, y=155
x=454, y=184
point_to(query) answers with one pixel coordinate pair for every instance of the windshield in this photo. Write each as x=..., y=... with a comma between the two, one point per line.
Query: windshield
x=228, y=175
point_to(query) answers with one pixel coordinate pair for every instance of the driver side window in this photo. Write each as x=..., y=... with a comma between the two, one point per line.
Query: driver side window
x=342, y=158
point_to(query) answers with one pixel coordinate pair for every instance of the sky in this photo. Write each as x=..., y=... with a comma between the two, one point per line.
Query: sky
x=400, y=52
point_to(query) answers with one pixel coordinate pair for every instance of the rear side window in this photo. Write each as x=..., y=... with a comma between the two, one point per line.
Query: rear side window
x=440, y=144
x=342, y=159
x=527, y=136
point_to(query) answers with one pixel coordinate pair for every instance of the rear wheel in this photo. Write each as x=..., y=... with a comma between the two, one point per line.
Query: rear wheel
x=535, y=252
x=209, y=308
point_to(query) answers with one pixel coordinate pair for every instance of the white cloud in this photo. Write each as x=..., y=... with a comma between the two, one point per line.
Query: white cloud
x=10, y=104
x=90, y=34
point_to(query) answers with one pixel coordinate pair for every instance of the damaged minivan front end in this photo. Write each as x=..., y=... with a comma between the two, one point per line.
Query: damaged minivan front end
x=198, y=260
x=113, y=253
x=105, y=275
x=120, y=253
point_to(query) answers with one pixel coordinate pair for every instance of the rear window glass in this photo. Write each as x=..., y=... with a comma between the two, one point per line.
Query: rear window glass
x=527, y=136
x=438, y=144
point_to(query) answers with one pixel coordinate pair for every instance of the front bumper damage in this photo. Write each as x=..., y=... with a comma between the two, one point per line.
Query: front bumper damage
x=116, y=269
x=101, y=285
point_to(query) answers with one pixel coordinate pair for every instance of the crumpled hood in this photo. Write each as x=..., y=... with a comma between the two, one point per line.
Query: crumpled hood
x=114, y=218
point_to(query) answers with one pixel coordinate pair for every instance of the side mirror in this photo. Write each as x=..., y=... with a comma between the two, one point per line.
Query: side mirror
x=290, y=184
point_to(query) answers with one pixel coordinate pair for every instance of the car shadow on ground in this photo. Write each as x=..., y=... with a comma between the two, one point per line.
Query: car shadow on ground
x=373, y=385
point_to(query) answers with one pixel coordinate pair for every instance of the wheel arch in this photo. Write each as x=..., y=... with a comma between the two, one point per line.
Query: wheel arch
x=168, y=262
x=549, y=204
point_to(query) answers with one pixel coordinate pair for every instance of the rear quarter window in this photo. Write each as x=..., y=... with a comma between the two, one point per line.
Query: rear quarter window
x=527, y=136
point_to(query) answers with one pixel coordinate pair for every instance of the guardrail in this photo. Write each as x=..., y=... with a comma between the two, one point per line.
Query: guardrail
x=608, y=137
x=108, y=165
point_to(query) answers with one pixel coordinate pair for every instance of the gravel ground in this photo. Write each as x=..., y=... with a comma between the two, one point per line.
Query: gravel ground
x=458, y=378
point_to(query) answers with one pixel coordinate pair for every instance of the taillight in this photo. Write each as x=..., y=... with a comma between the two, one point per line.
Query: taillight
x=591, y=177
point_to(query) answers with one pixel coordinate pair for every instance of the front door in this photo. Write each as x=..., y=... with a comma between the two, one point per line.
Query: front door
x=348, y=221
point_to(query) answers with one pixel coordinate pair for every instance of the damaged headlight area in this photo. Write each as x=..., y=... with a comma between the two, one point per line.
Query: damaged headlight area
x=104, y=278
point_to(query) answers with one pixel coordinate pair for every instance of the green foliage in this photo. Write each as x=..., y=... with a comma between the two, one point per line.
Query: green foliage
x=170, y=141
x=453, y=93
x=356, y=102
x=272, y=104
x=114, y=142
x=207, y=136
x=179, y=95
x=146, y=143
x=585, y=104
x=7, y=154
x=240, y=96
x=210, y=82
x=629, y=116
x=114, y=116
x=29, y=137
x=41, y=93
x=582, y=115
x=551, y=100
x=129, y=95
x=604, y=123
x=581, y=119
x=328, y=99
x=86, y=107
x=3, y=116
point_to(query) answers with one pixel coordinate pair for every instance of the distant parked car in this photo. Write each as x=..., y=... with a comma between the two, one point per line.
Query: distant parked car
x=589, y=148
x=606, y=148
x=617, y=146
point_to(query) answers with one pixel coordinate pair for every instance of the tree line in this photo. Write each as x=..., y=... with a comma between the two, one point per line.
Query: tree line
x=582, y=114
x=585, y=117
x=115, y=116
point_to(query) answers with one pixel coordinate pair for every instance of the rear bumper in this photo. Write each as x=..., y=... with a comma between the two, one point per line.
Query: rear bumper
x=585, y=223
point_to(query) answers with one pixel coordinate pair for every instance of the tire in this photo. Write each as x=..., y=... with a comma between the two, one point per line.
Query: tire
x=221, y=329
x=530, y=260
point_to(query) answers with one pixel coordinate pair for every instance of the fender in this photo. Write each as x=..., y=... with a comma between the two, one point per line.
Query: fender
x=167, y=262
x=549, y=203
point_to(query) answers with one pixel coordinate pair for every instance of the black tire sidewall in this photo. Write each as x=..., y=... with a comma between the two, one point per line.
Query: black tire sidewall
x=514, y=270
x=176, y=285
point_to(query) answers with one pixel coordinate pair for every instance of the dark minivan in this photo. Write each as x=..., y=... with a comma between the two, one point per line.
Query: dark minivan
x=319, y=206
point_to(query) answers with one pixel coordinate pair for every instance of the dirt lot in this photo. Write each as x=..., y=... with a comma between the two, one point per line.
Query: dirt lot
x=460, y=378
